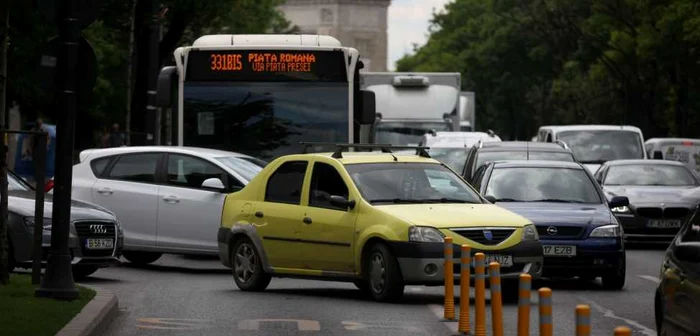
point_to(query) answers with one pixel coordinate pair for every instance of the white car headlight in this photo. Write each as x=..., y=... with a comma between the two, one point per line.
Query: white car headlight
x=622, y=209
x=530, y=232
x=612, y=230
x=425, y=234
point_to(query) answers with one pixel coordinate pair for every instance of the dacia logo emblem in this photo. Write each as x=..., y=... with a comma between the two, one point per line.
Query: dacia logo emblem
x=488, y=235
x=551, y=230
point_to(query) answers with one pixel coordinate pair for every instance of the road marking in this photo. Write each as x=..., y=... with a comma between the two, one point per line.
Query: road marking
x=170, y=323
x=415, y=289
x=650, y=278
x=353, y=325
x=610, y=314
x=439, y=311
x=302, y=325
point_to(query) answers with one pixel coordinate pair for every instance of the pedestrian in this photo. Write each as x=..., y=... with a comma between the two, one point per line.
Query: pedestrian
x=116, y=138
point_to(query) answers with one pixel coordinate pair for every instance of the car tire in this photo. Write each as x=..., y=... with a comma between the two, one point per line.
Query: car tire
x=383, y=275
x=141, y=258
x=362, y=285
x=248, y=273
x=658, y=311
x=82, y=272
x=615, y=280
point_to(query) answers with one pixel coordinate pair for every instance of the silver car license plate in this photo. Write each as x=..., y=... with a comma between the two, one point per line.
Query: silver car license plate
x=560, y=250
x=99, y=244
x=664, y=224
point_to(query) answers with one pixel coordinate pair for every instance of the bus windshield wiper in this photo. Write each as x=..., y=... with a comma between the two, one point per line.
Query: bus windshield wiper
x=396, y=201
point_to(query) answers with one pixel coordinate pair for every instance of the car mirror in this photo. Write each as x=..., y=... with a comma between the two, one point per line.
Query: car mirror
x=619, y=201
x=213, y=183
x=688, y=252
x=490, y=198
x=341, y=202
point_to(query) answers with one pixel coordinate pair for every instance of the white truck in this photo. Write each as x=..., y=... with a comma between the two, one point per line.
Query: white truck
x=467, y=111
x=409, y=104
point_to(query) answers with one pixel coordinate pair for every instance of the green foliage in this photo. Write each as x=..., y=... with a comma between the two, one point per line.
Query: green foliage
x=535, y=62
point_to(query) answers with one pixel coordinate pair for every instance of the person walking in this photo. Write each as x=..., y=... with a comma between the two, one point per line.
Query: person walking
x=116, y=138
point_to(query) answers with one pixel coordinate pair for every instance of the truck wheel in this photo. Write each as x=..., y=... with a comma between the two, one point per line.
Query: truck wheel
x=141, y=258
x=82, y=272
x=385, y=281
x=247, y=268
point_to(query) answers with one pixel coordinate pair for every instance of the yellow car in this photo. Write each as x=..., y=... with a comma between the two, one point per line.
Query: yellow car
x=375, y=219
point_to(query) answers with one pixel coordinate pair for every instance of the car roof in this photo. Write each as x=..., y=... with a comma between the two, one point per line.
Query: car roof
x=537, y=164
x=368, y=157
x=644, y=162
x=672, y=140
x=197, y=151
x=563, y=128
x=523, y=145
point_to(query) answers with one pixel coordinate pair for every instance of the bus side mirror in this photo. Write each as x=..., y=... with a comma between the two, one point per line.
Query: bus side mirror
x=164, y=91
x=658, y=155
x=366, y=108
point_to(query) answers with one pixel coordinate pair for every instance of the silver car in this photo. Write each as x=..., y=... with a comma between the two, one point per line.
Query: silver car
x=95, y=239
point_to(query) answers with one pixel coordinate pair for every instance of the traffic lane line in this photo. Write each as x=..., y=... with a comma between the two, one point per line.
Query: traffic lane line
x=607, y=313
x=650, y=278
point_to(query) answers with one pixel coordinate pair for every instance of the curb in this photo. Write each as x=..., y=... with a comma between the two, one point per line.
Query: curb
x=94, y=317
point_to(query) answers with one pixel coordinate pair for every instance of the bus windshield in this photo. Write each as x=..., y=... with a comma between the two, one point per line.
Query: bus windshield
x=264, y=119
x=408, y=133
x=598, y=146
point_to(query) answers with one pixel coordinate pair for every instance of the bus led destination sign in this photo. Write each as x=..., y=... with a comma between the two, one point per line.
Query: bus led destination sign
x=266, y=65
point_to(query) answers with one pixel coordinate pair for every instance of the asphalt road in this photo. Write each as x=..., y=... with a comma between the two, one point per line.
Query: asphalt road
x=178, y=295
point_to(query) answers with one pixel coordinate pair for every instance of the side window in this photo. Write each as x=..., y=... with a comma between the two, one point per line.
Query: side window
x=478, y=176
x=284, y=186
x=326, y=182
x=135, y=168
x=187, y=171
x=98, y=165
x=549, y=137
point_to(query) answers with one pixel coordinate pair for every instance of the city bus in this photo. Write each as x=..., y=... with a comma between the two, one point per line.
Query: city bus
x=263, y=94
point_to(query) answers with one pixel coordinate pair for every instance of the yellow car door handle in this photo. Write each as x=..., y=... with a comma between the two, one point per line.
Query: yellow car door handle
x=307, y=220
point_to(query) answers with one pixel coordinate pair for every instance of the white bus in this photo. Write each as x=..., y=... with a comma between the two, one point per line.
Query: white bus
x=595, y=144
x=263, y=94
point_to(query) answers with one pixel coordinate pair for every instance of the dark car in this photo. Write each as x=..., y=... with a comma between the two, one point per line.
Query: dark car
x=578, y=231
x=95, y=237
x=662, y=194
x=483, y=152
x=677, y=299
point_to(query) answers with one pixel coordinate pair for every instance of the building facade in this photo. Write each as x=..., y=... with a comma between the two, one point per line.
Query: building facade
x=361, y=24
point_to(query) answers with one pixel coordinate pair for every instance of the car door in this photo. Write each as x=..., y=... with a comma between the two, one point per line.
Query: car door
x=128, y=188
x=189, y=215
x=278, y=216
x=327, y=231
x=681, y=286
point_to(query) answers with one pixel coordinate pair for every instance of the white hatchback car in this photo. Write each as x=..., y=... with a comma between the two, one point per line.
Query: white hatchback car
x=167, y=199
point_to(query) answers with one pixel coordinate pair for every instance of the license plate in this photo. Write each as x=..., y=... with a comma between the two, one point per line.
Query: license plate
x=503, y=259
x=99, y=244
x=559, y=250
x=664, y=224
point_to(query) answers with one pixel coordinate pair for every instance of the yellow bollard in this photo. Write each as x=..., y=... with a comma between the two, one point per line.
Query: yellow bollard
x=623, y=331
x=545, y=298
x=496, y=299
x=524, y=304
x=449, y=280
x=583, y=320
x=480, y=294
x=464, y=326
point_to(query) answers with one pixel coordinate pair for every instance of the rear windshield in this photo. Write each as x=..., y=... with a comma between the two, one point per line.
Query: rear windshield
x=542, y=184
x=485, y=157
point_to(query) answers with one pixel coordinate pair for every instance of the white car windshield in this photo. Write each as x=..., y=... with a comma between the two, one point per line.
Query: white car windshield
x=604, y=145
x=542, y=184
x=650, y=175
x=244, y=166
x=399, y=183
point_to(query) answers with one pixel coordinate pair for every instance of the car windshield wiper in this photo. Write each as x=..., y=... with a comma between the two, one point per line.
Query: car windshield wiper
x=507, y=200
x=396, y=201
x=447, y=200
x=556, y=200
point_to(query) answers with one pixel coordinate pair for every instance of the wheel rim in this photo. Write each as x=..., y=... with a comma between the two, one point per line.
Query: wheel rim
x=245, y=262
x=377, y=273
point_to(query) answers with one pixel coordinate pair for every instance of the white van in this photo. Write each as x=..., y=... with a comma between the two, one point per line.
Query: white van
x=683, y=150
x=595, y=144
